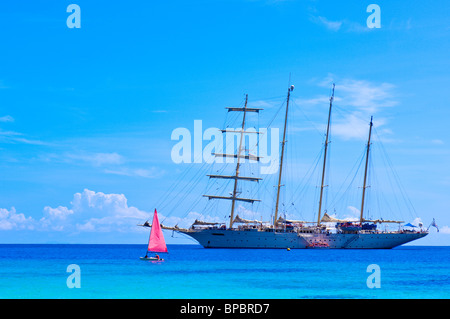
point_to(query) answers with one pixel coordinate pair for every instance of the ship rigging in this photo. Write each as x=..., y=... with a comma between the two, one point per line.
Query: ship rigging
x=279, y=231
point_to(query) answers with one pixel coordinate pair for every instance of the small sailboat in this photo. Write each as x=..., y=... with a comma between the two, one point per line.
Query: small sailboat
x=156, y=242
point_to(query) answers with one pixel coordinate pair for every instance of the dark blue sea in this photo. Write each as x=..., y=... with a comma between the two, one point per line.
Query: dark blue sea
x=190, y=271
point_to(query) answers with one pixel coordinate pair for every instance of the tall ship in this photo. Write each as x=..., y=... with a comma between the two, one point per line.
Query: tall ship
x=326, y=231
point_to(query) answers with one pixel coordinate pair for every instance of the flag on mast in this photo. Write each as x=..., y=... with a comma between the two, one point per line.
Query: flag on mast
x=433, y=223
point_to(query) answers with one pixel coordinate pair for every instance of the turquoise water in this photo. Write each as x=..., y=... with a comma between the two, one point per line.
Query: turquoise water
x=190, y=271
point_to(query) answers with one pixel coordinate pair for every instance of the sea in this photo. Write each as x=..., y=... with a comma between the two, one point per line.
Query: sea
x=61, y=271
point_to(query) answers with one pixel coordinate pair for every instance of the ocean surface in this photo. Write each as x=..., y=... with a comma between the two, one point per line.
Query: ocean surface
x=190, y=271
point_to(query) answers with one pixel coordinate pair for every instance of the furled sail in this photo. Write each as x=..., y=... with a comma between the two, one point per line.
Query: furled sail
x=246, y=221
x=328, y=219
x=200, y=222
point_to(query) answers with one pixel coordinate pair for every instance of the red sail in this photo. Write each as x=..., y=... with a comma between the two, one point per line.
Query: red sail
x=156, y=243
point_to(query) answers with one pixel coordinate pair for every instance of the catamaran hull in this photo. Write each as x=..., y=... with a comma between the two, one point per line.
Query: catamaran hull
x=214, y=238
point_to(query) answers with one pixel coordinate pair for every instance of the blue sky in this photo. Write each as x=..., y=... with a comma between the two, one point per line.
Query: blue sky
x=86, y=115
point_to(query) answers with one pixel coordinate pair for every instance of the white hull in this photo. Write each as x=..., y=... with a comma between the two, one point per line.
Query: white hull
x=221, y=238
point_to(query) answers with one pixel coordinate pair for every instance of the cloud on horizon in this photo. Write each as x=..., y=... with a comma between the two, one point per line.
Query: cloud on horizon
x=88, y=211
x=91, y=211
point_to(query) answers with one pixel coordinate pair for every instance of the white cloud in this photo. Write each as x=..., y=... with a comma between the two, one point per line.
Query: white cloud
x=354, y=213
x=55, y=218
x=330, y=25
x=353, y=127
x=153, y=172
x=59, y=213
x=356, y=94
x=365, y=95
x=437, y=142
x=97, y=159
x=339, y=25
x=105, y=212
x=6, y=118
x=27, y=141
x=319, y=100
x=10, y=219
x=110, y=163
x=9, y=133
x=15, y=137
x=88, y=211
x=359, y=99
x=351, y=26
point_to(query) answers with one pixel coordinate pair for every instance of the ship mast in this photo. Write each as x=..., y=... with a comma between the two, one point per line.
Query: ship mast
x=233, y=202
x=325, y=157
x=291, y=88
x=239, y=156
x=365, y=171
